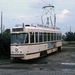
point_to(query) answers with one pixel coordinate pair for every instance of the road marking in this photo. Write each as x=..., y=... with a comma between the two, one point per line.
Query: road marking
x=68, y=64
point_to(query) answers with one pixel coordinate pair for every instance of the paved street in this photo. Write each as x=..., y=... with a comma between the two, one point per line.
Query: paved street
x=58, y=63
x=34, y=72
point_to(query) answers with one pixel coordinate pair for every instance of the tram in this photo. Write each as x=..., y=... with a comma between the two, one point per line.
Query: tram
x=29, y=42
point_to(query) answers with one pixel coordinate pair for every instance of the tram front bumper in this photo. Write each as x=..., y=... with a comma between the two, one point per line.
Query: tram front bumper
x=17, y=55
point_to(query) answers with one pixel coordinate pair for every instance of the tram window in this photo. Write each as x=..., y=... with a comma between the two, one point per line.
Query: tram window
x=60, y=36
x=31, y=37
x=27, y=38
x=40, y=37
x=51, y=36
x=48, y=36
x=19, y=38
x=36, y=36
x=57, y=36
x=54, y=36
x=45, y=37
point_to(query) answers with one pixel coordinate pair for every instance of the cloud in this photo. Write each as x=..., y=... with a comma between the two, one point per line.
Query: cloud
x=62, y=17
x=63, y=13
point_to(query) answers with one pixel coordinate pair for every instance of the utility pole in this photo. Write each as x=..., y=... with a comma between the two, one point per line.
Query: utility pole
x=1, y=22
x=70, y=28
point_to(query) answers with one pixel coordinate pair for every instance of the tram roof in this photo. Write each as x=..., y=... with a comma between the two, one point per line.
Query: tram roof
x=38, y=29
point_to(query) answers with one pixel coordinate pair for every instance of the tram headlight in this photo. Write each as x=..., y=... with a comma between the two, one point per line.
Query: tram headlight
x=12, y=51
x=20, y=51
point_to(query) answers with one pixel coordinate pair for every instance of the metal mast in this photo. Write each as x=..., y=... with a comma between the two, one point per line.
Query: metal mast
x=1, y=22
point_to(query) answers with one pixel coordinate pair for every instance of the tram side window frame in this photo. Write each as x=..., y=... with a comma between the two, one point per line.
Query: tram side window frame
x=51, y=36
x=57, y=36
x=40, y=37
x=27, y=38
x=36, y=37
x=45, y=37
x=31, y=37
x=60, y=37
x=54, y=36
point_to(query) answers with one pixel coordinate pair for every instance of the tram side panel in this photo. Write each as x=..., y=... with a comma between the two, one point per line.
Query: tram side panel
x=34, y=51
x=28, y=51
x=24, y=52
x=59, y=45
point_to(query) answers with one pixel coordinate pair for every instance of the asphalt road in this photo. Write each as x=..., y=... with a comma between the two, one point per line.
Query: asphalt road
x=58, y=63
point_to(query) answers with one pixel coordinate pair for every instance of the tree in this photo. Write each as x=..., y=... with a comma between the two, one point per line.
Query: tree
x=63, y=37
x=70, y=36
x=5, y=44
x=74, y=36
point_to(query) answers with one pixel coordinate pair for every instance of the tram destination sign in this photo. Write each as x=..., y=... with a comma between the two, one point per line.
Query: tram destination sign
x=17, y=29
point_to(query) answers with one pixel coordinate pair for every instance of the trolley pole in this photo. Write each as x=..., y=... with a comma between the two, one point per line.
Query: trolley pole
x=1, y=23
x=70, y=28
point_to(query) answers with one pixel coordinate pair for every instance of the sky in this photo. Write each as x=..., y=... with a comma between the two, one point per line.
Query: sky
x=30, y=12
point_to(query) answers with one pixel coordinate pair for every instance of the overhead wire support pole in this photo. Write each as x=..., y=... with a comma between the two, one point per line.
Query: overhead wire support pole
x=1, y=22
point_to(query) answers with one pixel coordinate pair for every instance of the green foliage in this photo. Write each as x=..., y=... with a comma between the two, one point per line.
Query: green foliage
x=5, y=44
x=69, y=36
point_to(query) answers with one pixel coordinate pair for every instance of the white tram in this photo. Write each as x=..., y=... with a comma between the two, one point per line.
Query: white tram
x=29, y=42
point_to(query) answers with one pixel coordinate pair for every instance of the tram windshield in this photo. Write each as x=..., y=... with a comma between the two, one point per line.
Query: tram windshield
x=20, y=38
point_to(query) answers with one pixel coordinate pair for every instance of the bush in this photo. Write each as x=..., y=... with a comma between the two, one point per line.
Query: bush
x=5, y=45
